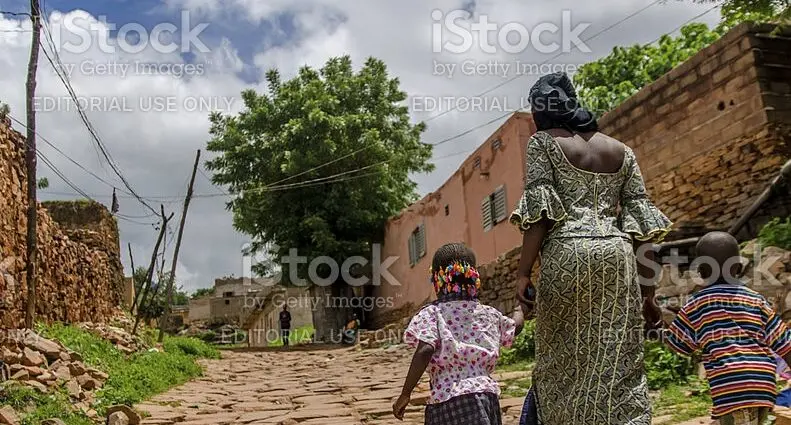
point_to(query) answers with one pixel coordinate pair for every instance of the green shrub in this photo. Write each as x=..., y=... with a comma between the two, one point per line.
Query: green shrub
x=523, y=348
x=665, y=368
x=190, y=347
x=776, y=233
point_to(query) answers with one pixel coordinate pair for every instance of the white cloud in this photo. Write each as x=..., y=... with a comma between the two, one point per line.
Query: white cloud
x=155, y=150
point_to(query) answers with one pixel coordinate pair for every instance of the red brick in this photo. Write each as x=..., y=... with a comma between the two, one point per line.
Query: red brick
x=745, y=61
x=732, y=52
x=721, y=74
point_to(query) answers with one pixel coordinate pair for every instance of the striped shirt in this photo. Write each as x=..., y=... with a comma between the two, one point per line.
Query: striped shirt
x=737, y=333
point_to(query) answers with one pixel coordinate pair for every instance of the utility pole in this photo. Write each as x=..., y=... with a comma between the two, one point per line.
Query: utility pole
x=30, y=161
x=134, y=286
x=172, y=276
x=150, y=272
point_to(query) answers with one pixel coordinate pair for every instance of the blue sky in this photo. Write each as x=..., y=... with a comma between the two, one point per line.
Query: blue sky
x=248, y=37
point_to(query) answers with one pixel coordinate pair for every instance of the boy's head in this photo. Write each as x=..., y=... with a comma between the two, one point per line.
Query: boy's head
x=453, y=273
x=719, y=257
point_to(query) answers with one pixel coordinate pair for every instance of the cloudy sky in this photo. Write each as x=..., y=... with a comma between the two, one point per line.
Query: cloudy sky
x=152, y=119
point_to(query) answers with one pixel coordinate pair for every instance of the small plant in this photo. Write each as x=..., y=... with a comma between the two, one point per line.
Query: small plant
x=523, y=348
x=776, y=233
x=665, y=368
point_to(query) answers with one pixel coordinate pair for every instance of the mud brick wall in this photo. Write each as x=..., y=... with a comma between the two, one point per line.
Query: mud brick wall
x=76, y=282
x=92, y=224
x=713, y=132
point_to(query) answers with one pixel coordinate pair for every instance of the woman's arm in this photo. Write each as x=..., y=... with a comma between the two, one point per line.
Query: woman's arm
x=532, y=240
x=647, y=269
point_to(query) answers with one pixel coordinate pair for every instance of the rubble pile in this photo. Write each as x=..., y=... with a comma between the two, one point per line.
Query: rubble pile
x=43, y=364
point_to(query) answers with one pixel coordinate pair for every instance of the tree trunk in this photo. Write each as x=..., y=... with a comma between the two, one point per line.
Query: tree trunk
x=332, y=311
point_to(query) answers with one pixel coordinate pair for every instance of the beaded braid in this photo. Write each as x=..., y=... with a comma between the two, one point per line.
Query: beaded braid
x=457, y=280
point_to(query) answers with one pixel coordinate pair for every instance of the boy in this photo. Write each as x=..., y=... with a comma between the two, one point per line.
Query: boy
x=737, y=333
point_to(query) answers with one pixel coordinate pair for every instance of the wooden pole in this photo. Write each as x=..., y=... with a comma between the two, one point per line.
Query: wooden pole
x=172, y=276
x=30, y=161
x=134, y=287
x=150, y=272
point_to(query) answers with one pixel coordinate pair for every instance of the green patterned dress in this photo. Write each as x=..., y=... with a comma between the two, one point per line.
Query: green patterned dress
x=589, y=341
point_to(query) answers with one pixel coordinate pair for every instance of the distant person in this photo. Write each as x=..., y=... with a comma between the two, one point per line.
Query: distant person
x=351, y=330
x=285, y=325
x=458, y=339
x=736, y=331
x=585, y=211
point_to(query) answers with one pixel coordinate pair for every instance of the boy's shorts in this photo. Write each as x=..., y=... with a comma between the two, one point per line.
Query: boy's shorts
x=751, y=416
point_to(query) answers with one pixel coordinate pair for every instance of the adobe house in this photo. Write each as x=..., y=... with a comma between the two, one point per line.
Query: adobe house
x=711, y=137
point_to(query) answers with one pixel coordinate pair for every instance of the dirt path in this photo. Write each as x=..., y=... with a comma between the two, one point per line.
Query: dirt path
x=307, y=387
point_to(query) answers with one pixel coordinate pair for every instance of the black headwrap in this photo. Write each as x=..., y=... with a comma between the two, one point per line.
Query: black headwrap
x=554, y=104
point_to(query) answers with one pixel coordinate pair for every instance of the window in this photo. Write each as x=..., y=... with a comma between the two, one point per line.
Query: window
x=477, y=163
x=496, y=144
x=227, y=302
x=417, y=244
x=447, y=210
x=493, y=209
x=227, y=294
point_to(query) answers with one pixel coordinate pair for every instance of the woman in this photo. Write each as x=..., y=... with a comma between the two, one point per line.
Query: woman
x=586, y=211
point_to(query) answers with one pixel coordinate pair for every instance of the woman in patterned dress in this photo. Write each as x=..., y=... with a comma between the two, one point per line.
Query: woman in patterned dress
x=585, y=211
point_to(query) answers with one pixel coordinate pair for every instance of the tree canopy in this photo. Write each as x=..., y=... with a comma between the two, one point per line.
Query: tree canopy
x=605, y=83
x=319, y=162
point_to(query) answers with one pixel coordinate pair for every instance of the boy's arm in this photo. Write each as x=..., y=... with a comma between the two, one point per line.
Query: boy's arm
x=778, y=336
x=680, y=336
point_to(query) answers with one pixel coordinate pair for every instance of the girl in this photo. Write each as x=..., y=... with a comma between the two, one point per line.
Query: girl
x=459, y=340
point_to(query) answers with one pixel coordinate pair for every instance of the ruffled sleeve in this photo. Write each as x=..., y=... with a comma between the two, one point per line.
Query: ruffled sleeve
x=423, y=328
x=639, y=216
x=540, y=198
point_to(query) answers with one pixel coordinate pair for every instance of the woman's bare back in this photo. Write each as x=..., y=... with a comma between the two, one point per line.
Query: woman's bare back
x=594, y=152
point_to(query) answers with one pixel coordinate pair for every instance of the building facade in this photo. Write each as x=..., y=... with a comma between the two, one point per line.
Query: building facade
x=472, y=206
x=263, y=326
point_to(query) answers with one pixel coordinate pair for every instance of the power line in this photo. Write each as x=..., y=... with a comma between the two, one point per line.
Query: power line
x=465, y=132
x=50, y=144
x=84, y=118
x=520, y=75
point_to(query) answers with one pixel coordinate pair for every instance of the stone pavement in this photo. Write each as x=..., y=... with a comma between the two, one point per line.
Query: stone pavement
x=306, y=386
x=340, y=386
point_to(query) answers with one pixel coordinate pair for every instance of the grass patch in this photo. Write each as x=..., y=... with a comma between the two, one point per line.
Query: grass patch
x=516, y=387
x=43, y=406
x=295, y=337
x=133, y=378
x=521, y=366
x=676, y=401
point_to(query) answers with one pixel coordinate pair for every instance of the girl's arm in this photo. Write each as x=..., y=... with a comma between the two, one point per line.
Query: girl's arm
x=420, y=361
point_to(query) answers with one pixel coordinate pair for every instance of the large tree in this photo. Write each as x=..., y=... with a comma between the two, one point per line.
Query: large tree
x=318, y=163
x=607, y=82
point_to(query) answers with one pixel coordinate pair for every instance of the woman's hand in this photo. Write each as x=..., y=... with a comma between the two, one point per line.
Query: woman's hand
x=526, y=295
x=652, y=315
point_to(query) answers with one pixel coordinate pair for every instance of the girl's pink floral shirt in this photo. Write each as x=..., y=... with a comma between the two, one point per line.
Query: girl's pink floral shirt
x=467, y=337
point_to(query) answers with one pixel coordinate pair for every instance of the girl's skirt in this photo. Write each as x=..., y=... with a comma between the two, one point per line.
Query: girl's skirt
x=468, y=409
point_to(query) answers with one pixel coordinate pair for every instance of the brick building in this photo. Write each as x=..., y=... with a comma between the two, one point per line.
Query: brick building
x=709, y=135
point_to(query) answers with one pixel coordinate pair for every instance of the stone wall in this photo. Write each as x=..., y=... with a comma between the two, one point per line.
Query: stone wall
x=76, y=282
x=710, y=134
